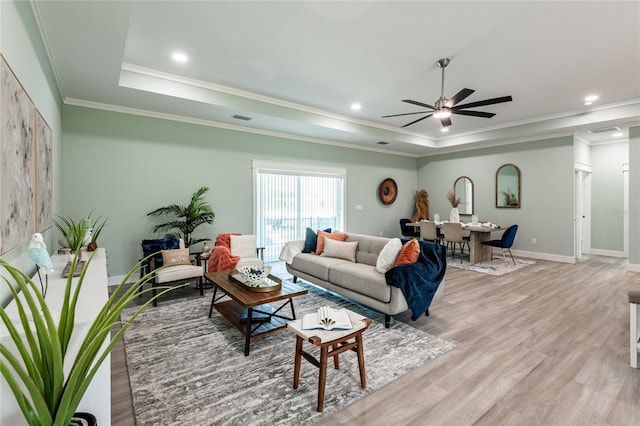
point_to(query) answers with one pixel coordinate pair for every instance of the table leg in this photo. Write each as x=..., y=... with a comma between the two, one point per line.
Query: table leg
x=213, y=299
x=360, y=350
x=247, y=332
x=296, y=367
x=475, y=244
x=322, y=376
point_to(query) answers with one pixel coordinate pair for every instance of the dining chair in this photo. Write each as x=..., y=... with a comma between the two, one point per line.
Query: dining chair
x=407, y=230
x=505, y=243
x=429, y=232
x=453, y=236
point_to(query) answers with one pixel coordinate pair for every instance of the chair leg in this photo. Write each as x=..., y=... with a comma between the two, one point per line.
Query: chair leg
x=510, y=254
x=504, y=257
x=201, y=285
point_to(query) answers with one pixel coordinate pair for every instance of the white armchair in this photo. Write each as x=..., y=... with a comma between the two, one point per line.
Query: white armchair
x=171, y=264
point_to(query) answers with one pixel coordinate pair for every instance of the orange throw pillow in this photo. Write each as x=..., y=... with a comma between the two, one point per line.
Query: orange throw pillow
x=341, y=236
x=409, y=253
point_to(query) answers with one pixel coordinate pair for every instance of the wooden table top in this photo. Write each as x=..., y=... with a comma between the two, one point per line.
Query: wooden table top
x=247, y=298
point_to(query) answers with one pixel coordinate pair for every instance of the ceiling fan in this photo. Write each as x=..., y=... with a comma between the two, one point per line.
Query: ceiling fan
x=445, y=107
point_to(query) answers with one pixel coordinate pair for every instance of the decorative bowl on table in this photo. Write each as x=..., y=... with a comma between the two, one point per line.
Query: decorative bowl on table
x=255, y=273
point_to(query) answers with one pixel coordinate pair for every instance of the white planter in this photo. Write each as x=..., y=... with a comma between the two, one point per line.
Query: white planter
x=454, y=216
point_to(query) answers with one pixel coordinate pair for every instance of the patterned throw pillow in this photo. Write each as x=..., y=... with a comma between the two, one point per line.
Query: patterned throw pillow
x=339, y=236
x=388, y=255
x=340, y=249
x=409, y=253
x=176, y=257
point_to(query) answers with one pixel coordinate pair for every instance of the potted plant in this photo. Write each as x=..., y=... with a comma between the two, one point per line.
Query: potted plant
x=95, y=233
x=73, y=232
x=44, y=393
x=183, y=220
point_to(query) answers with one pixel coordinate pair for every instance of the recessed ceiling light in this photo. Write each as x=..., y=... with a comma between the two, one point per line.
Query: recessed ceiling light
x=179, y=57
x=617, y=134
x=590, y=99
x=444, y=129
x=356, y=106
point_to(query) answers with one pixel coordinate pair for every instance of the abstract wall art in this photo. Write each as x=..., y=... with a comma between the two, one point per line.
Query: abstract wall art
x=17, y=162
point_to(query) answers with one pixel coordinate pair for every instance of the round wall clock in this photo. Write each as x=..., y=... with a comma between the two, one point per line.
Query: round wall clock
x=388, y=191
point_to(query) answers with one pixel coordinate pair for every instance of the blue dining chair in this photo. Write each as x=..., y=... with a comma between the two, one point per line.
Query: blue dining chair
x=505, y=243
x=407, y=230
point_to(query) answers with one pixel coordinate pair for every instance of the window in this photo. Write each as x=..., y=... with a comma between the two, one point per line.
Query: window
x=288, y=198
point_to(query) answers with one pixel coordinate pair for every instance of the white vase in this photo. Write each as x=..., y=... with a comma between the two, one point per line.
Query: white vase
x=454, y=216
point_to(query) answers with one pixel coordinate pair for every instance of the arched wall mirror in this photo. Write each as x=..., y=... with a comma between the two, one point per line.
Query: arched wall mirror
x=508, y=194
x=463, y=188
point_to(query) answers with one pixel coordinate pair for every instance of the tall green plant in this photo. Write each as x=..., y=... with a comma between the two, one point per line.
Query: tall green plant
x=72, y=231
x=45, y=395
x=185, y=219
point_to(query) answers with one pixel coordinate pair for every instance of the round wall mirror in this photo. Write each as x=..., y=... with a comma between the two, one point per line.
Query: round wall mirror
x=463, y=188
x=508, y=194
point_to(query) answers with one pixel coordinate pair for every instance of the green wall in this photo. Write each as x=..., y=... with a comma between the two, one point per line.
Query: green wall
x=124, y=166
x=22, y=48
x=607, y=196
x=634, y=198
x=546, y=198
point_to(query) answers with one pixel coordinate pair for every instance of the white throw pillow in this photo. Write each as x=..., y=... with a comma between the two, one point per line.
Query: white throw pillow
x=388, y=255
x=243, y=245
x=340, y=249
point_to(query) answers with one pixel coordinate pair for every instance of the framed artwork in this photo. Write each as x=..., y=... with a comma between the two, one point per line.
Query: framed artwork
x=44, y=164
x=17, y=162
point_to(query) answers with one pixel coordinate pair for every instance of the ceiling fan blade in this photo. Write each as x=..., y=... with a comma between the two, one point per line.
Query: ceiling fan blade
x=408, y=113
x=474, y=113
x=459, y=97
x=486, y=102
x=445, y=122
x=409, y=101
x=419, y=119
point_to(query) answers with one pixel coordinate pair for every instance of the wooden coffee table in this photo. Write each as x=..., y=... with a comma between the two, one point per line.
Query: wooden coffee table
x=244, y=298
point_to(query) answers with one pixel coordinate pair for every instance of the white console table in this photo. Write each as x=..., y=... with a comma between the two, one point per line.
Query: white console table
x=94, y=294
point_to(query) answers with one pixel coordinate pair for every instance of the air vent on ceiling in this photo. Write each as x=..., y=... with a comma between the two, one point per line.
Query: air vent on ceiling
x=241, y=117
x=605, y=130
x=382, y=143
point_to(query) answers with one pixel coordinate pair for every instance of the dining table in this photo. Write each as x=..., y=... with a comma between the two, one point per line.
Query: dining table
x=477, y=234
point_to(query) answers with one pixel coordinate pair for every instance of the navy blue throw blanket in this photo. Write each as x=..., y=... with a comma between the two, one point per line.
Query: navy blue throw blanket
x=420, y=280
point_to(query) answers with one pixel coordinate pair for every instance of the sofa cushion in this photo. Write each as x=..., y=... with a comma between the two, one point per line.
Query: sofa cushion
x=409, y=253
x=369, y=247
x=178, y=272
x=340, y=249
x=388, y=255
x=361, y=278
x=318, y=266
x=339, y=236
x=311, y=240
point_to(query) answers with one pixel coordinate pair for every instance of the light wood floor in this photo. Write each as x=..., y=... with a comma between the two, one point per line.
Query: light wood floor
x=548, y=344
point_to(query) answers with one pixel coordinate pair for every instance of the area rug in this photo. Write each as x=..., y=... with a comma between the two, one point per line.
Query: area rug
x=186, y=368
x=495, y=267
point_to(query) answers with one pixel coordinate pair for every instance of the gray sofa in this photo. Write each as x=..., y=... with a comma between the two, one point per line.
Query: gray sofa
x=359, y=281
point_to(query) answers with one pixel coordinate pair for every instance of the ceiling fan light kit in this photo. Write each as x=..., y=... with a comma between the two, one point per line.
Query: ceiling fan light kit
x=444, y=107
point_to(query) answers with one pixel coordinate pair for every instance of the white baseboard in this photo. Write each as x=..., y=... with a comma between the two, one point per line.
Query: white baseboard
x=114, y=280
x=544, y=256
x=633, y=267
x=609, y=253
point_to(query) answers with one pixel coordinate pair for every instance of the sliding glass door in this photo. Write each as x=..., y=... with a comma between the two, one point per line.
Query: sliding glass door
x=289, y=198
